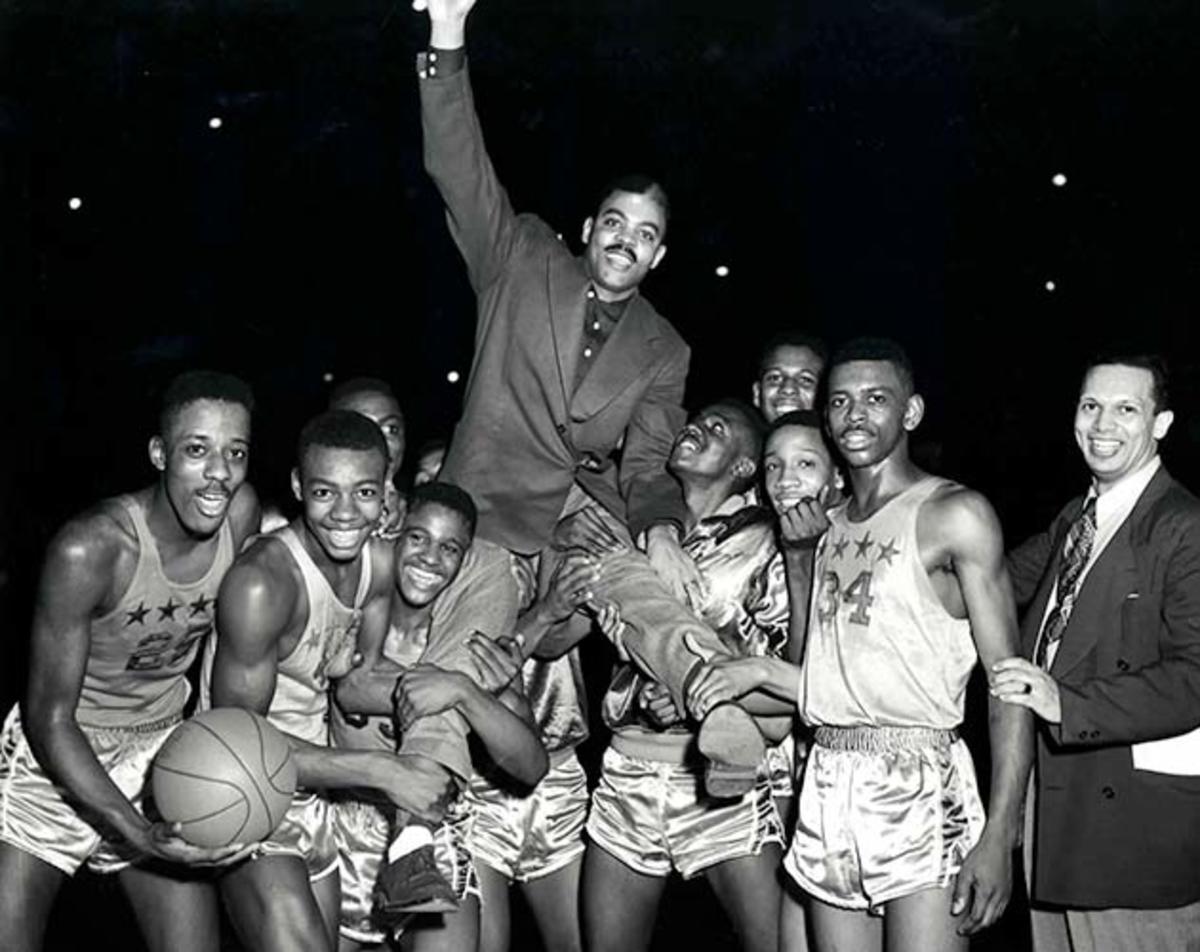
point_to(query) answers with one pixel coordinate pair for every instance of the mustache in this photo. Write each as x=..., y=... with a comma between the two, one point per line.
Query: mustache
x=620, y=247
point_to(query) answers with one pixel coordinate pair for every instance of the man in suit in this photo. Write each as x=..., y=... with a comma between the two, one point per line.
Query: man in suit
x=572, y=368
x=1113, y=637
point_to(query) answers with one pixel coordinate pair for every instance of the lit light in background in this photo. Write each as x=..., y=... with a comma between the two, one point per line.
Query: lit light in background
x=215, y=122
x=75, y=204
x=327, y=377
x=452, y=376
x=1059, y=180
x=722, y=271
x=1051, y=286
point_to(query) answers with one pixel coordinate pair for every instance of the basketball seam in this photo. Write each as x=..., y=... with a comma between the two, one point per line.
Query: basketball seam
x=241, y=763
x=242, y=800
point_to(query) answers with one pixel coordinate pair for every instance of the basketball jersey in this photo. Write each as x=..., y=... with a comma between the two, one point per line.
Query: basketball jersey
x=882, y=650
x=300, y=704
x=141, y=650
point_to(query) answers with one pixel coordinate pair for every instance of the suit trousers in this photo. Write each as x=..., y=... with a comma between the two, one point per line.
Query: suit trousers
x=485, y=597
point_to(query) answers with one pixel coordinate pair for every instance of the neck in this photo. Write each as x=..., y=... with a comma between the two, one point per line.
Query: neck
x=873, y=486
x=705, y=498
x=407, y=617
x=164, y=524
x=612, y=297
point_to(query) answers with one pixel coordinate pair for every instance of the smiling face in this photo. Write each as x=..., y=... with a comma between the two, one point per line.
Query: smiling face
x=870, y=410
x=713, y=446
x=384, y=412
x=624, y=243
x=1116, y=425
x=203, y=458
x=797, y=466
x=433, y=541
x=341, y=491
x=788, y=381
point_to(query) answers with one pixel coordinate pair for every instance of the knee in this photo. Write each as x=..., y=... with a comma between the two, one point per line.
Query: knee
x=291, y=923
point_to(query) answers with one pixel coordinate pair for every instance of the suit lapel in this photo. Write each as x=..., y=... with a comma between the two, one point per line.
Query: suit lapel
x=631, y=347
x=567, y=291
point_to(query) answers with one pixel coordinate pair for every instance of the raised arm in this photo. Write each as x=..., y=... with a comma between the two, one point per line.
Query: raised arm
x=479, y=213
x=77, y=578
x=972, y=539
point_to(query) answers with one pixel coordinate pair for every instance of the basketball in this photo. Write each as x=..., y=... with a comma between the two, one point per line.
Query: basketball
x=225, y=775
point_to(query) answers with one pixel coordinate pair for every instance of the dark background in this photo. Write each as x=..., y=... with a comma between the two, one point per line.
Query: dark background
x=859, y=167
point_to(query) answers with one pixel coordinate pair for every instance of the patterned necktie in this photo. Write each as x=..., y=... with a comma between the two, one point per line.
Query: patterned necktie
x=1076, y=552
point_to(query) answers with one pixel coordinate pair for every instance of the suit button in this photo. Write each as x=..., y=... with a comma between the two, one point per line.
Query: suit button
x=1109, y=793
x=1122, y=664
x=1083, y=735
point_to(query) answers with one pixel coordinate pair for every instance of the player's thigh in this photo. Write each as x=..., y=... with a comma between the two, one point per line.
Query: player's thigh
x=176, y=913
x=554, y=900
x=456, y=931
x=494, y=921
x=922, y=922
x=793, y=921
x=272, y=907
x=748, y=890
x=28, y=887
x=844, y=930
x=619, y=903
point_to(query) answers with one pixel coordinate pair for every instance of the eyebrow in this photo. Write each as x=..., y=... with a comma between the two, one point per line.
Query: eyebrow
x=612, y=210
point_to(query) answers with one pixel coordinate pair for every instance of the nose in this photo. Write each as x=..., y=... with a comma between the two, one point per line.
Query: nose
x=216, y=468
x=343, y=509
x=789, y=385
x=855, y=411
x=1104, y=420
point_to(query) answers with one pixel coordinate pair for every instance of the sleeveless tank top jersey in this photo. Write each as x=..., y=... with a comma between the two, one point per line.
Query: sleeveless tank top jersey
x=882, y=650
x=141, y=650
x=300, y=704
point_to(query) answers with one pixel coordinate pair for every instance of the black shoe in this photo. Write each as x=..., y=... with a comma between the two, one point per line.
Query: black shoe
x=411, y=884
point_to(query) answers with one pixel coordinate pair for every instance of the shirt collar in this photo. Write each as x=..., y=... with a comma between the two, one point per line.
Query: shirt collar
x=1123, y=494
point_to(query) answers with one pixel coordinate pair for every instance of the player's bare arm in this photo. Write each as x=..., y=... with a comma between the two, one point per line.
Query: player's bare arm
x=245, y=515
x=961, y=541
x=88, y=566
x=367, y=687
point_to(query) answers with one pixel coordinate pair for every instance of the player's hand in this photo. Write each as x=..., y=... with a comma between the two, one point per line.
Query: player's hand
x=572, y=586
x=1017, y=681
x=720, y=681
x=162, y=841
x=983, y=885
x=802, y=525
x=497, y=661
x=655, y=701
x=674, y=566
x=587, y=530
x=426, y=689
x=344, y=660
x=419, y=786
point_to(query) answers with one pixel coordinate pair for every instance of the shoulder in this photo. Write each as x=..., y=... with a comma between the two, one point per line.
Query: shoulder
x=264, y=578
x=97, y=537
x=958, y=514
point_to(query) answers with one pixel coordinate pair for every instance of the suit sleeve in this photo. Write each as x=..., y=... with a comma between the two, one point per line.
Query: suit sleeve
x=1158, y=700
x=478, y=210
x=1028, y=562
x=651, y=493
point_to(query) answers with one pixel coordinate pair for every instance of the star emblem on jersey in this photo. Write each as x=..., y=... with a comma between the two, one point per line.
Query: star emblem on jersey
x=887, y=552
x=839, y=547
x=864, y=546
x=168, y=610
x=199, y=606
x=137, y=615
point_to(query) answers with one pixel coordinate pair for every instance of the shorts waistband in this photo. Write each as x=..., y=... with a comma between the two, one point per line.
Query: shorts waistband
x=150, y=728
x=882, y=740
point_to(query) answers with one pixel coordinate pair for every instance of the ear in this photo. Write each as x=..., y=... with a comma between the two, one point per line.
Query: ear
x=744, y=468
x=158, y=453
x=587, y=229
x=296, y=491
x=914, y=412
x=658, y=256
x=756, y=395
x=1162, y=423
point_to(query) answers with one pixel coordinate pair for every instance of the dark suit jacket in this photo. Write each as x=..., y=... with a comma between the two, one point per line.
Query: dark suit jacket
x=524, y=437
x=1128, y=670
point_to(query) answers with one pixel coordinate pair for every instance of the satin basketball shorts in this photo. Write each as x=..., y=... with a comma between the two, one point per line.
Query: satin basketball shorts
x=36, y=818
x=883, y=813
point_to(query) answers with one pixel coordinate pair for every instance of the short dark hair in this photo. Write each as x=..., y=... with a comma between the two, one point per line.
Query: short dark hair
x=791, y=339
x=341, y=430
x=754, y=429
x=811, y=419
x=193, y=385
x=881, y=349
x=359, y=385
x=448, y=495
x=638, y=183
x=1160, y=388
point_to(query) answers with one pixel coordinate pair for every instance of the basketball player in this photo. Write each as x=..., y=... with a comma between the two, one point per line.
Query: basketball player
x=291, y=608
x=434, y=538
x=127, y=594
x=648, y=814
x=912, y=591
x=789, y=374
x=374, y=399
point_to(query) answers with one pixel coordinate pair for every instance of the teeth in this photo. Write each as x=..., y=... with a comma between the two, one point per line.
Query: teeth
x=211, y=505
x=343, y=538
x=422, y=577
